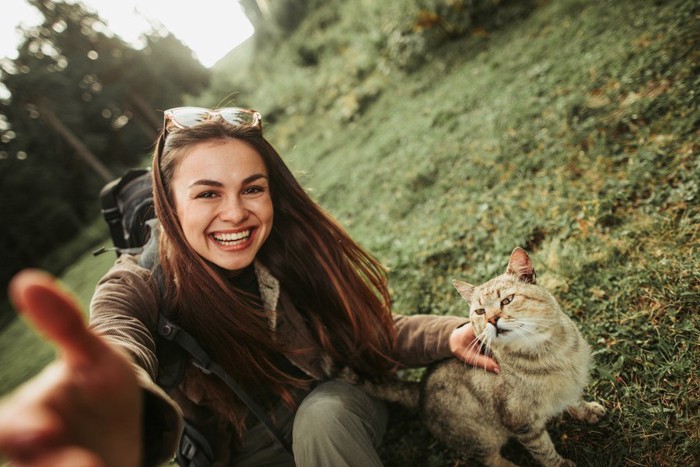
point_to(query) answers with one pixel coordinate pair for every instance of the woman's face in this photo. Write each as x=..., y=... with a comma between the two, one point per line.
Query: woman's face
x=222, y=197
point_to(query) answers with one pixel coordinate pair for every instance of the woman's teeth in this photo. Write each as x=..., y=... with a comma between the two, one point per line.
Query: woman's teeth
x=230, y=239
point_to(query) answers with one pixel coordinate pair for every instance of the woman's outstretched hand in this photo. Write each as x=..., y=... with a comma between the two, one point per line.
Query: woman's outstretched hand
x=84, y=409
x=466, y=346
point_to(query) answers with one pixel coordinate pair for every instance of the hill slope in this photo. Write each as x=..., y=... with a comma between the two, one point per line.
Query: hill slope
x=442, y=138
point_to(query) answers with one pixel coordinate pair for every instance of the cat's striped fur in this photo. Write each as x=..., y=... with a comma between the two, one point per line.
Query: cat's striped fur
x=544, y=365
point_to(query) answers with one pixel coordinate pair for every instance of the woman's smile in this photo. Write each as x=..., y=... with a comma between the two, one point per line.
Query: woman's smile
x=232, y=239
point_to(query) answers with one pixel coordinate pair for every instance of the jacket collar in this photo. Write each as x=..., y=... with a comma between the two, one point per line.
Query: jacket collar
x=269, y=290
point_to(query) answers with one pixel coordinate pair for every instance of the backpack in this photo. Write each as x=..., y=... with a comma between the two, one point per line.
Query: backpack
x=127, y=207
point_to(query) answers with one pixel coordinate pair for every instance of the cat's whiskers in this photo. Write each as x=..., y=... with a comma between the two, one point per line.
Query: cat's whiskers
x=485, y=340
x=479, y=345
x=532, y=332
x=525, y=333
x=535, y=324
x=538, y=318
x=476, y=346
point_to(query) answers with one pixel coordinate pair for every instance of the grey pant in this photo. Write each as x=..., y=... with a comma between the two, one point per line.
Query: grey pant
x=336, y=425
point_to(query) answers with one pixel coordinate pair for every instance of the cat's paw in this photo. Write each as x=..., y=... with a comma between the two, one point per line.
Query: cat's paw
x=567, y=463
x=589, y=412
x=593, y=412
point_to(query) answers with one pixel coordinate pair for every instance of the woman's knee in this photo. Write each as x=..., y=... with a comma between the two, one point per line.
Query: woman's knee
x=337, y=409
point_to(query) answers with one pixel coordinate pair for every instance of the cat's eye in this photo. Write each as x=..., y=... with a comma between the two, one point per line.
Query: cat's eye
x=507, y=300
x=480, y=311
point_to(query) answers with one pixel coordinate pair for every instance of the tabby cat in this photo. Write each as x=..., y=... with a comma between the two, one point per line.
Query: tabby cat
x=544, y=365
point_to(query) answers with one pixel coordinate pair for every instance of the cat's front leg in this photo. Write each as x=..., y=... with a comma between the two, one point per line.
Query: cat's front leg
x=531, y=433
x=539, y=444
x=589, y=412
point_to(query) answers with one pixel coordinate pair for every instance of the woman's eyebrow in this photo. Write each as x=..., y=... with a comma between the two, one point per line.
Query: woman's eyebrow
x=214, y=183
x=206, y=182
x=254, y=177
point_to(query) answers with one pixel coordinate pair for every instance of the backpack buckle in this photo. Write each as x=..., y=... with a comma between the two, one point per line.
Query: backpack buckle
x=188, y=448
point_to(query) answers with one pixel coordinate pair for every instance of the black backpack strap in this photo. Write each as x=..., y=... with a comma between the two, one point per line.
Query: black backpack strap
x=194, y=449
x=173, y=334
x=170, y=331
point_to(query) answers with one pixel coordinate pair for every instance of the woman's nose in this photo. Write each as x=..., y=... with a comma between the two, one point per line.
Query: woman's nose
x=233, y=210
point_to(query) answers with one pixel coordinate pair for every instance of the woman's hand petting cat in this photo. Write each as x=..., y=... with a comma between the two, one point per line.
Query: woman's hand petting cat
x=84, y=409
x=465, y=346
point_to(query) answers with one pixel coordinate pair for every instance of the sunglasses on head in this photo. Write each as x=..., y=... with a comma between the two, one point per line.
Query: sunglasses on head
x=186, y=117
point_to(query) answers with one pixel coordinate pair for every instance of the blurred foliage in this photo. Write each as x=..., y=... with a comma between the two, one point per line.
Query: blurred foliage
x=275, y=20
x=77, y=90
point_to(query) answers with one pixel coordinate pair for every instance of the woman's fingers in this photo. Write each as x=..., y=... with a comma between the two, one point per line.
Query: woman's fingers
x=97, y=369
x=481, y=361
x=85, y=408
x=61, y=456
x=71, y=456
x=55, y=314
x=465, y=345
x=28, y=425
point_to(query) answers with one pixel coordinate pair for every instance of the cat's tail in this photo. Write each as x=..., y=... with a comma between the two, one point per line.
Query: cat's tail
x=406, y=393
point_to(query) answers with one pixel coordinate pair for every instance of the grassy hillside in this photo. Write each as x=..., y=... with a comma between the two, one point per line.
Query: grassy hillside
x=567, y=127
x=444, y=133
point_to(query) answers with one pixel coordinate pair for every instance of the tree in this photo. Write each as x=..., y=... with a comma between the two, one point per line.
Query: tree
x=84, y=105
x=276, y=18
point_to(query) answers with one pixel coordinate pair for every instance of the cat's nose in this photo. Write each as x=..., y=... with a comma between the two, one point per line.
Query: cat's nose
x=493, y=320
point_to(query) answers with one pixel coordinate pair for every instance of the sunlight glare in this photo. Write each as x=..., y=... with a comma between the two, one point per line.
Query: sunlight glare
x=211, y=28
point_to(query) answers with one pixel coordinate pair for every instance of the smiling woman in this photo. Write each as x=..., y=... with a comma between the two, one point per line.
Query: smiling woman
x=130, y=19
x=269, y=285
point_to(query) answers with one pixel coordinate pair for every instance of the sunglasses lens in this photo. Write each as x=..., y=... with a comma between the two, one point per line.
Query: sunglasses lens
x=189, y=116
x=186, y=117
x=238, y=116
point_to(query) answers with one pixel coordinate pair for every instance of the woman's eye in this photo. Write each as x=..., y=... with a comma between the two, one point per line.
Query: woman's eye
x=251, y=190
x=480, y=311
x=507, y=300
x=206, y=194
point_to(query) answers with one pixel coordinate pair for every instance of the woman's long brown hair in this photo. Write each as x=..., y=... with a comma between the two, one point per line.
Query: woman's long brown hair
x=339, y=287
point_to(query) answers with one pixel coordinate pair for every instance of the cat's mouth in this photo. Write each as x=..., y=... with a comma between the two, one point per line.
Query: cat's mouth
x=498, y=331
x=501, y=331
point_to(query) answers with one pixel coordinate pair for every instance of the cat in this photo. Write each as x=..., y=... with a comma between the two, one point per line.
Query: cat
x=544, y=366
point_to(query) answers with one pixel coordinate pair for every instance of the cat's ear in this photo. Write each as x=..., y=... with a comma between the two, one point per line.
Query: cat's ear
x=464, y=289
x=520, y=266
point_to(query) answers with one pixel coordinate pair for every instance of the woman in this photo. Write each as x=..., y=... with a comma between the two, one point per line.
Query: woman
x=273, y=289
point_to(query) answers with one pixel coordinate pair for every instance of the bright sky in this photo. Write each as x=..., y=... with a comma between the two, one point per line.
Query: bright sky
x=211, y=28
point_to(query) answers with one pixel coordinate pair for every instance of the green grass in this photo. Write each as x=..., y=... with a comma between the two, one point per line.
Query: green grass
x=567, y=127
x=570, y=129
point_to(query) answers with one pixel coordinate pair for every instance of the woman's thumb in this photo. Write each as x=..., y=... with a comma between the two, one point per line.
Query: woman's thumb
x=54, y=313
